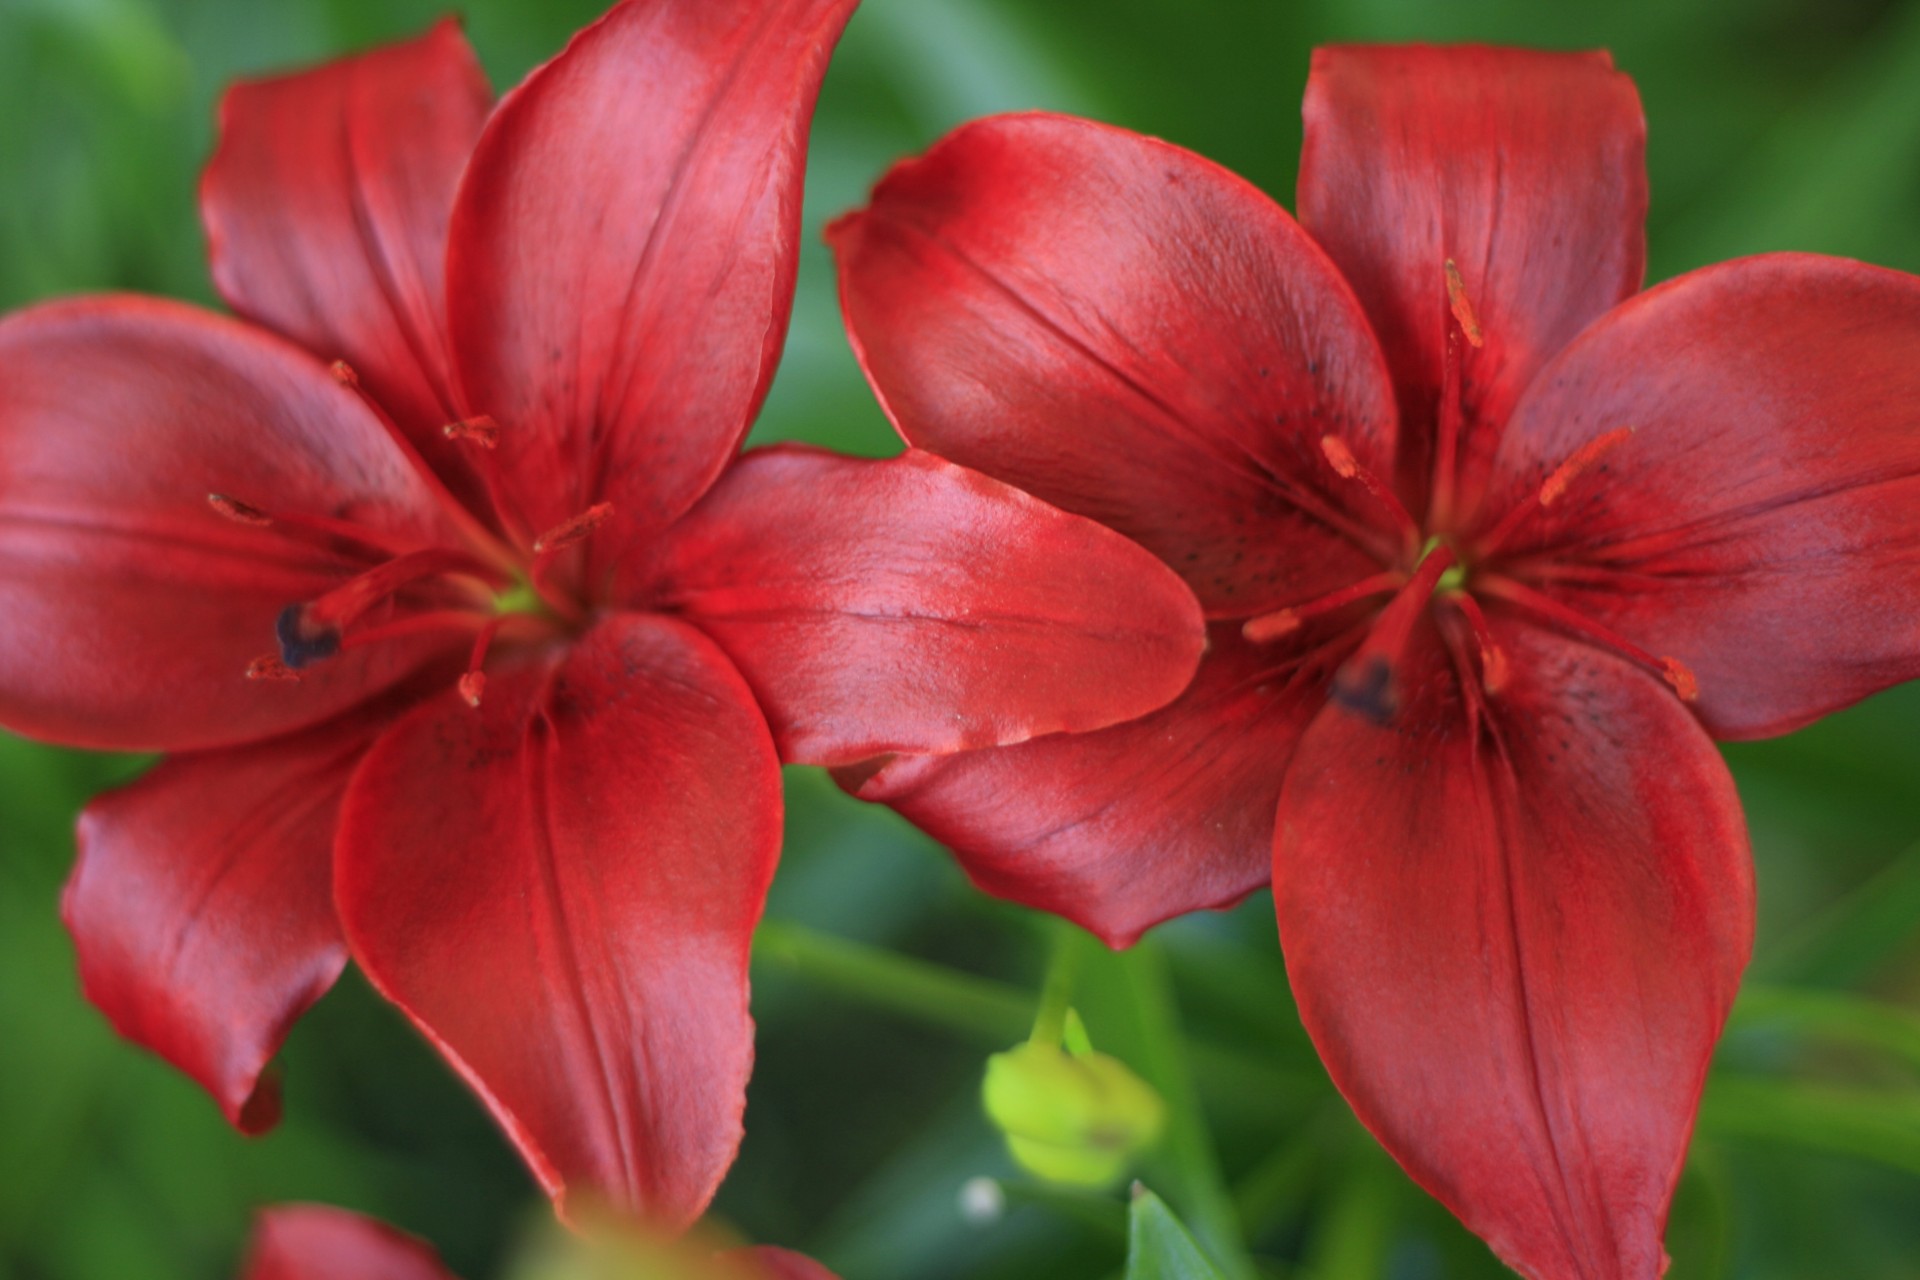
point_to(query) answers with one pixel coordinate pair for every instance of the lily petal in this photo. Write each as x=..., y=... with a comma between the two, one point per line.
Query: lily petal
x=913, y=605
x=623, y=253
x=1762, y=524
x=326, y=206
x=1121, y=829
x=132, y=609
x=559, y=889
x=1526, y=169
x=1129, y=332
x=1515, y=939
x=315, y=1242
x=201, y=906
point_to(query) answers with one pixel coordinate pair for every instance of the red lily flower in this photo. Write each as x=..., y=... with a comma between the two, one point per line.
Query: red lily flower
x=1491, y=548
x=316, y=1242
x=556, y=871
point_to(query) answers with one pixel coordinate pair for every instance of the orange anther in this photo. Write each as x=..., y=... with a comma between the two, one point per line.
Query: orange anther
x=1462, y=308
x=1677, y=674
x=343, y=374
x=1585, y=456
x=1494, y=667
x=574, y=530
x=1340, y=457
x=1270, y=626
x=472, y=685
x=269, y=667
x=1285, y=621
x=237, y=511
x=481, y=432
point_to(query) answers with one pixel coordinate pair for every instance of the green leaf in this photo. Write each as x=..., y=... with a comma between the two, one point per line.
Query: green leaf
x=1883, y=1128
x=1159, y=1247
x=1853, y=938
x=1835, y=1016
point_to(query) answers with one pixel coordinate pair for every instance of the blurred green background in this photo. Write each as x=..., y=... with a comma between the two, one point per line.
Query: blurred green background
x=1775, y=124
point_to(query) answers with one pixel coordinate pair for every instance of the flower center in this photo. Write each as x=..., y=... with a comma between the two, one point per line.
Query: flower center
x=1447, y=573
x=466, y=598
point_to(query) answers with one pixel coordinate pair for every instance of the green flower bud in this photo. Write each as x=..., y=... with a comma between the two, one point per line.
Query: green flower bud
x=1071, y=1115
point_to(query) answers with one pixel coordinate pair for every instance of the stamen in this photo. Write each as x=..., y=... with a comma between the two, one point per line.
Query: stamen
x=1283, y=622
x=237, y=511
x=1494, y=667
x=312, y=529
x=481, y=432
x=1340, y=457
x=1450, y=412
x=1681, y=677
x=481, y=538
x=569, y=532
x=345, y=603
x=474, y=682
x=1366, y=682
x=1555, y=486
x=1676, y=673
x=1585, y=456
x=269, y=667
x=1462, y=309
x=1449, y=415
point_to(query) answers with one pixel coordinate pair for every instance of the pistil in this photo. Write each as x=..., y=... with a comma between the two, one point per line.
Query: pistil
x=313, y=631
x=1368, y=682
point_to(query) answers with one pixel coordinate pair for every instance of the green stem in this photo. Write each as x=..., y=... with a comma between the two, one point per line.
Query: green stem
x=1187, y=1158
x=996, y=1014
x=1056, y=996
x=979, y=1008
x=1871, y=1126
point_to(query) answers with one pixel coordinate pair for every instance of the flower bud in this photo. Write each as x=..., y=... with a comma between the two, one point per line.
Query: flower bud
x=1071, y=1115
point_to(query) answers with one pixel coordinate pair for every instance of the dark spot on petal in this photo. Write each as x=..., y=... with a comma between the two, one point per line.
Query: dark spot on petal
x=1366, y=688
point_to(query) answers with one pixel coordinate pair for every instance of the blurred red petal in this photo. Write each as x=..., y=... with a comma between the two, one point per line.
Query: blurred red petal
x=780, y=1264
x=314, y=1242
